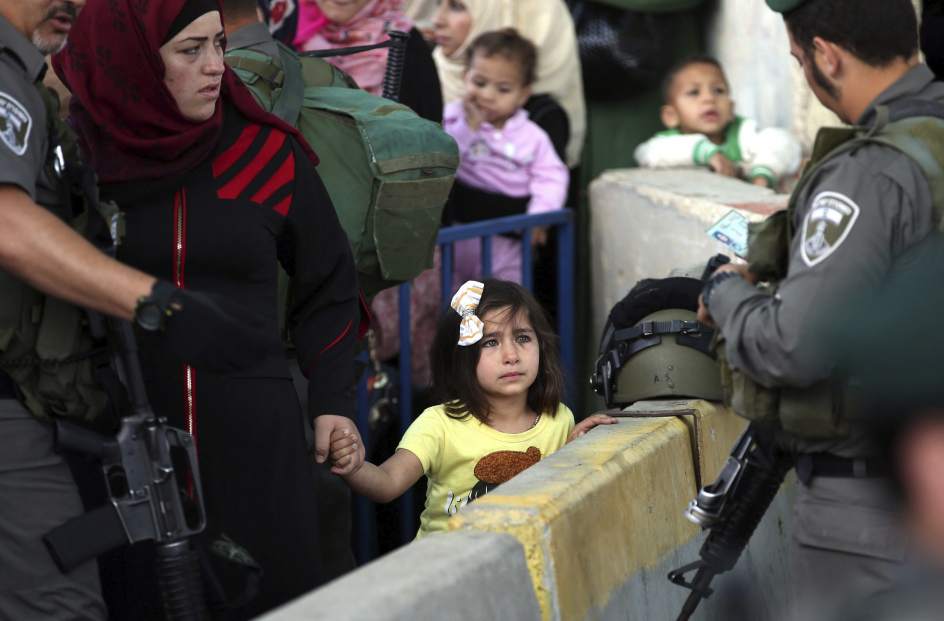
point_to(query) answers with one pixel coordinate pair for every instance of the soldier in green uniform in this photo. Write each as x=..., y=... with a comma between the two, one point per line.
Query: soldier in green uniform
x=856, y=212
x=46, y=267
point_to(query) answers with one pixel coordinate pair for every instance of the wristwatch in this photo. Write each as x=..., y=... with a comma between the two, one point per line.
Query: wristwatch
x=152, y=310
x=712, y=283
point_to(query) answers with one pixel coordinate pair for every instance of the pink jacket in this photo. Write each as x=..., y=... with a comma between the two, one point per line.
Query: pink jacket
x=517, y=160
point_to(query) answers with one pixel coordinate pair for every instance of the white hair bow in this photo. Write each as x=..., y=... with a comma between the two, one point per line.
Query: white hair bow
x=465, y=301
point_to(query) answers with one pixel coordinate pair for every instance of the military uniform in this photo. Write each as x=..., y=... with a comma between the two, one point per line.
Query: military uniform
x=37, y=491
x=857, y=215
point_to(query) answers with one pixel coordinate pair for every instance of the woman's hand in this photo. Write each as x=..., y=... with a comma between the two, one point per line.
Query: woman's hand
x=539, y=236
x=589, y=423
x=337, y=437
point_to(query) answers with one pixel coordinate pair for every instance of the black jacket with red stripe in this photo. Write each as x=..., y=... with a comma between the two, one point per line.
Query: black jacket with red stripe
x=224, y=227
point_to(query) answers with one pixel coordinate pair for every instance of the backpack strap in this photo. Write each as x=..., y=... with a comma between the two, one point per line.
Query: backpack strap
x=288, y=105
x=264, y=69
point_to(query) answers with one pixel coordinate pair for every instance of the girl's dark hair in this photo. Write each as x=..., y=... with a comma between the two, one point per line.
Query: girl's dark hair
x=508, y=43
x=877, y=32
x=454, y=379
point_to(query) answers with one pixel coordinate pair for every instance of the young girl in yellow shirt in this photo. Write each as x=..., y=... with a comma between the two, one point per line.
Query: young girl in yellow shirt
x=497, y=370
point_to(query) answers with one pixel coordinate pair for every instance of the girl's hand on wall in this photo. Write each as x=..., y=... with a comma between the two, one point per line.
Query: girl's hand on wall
x=589, y=423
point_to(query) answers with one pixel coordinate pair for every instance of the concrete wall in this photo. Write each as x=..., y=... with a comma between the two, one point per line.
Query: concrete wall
x=588, y=533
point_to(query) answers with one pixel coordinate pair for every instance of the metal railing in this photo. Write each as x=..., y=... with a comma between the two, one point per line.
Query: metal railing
x=365, y=545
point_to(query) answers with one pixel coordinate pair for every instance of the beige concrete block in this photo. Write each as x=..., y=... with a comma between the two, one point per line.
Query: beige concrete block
x=594, y=513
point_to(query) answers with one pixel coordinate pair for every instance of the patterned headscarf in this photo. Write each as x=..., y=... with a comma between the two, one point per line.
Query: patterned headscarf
x=370, y=25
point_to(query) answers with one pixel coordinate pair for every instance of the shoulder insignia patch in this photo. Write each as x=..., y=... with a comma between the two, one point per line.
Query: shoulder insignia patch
x=828, y=223
x=15, y=124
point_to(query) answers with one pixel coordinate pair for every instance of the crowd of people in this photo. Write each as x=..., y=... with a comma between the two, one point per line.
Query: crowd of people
x=216, y=193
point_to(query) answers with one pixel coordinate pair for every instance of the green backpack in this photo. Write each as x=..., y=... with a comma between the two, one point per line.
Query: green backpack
x=387, y=170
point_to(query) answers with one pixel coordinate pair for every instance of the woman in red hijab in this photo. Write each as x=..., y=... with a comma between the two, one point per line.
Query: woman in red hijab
x=216, y=193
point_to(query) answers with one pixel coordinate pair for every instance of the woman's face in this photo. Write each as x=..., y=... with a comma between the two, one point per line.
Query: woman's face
x=341, y=11
x=193, y=66
x=451, y=25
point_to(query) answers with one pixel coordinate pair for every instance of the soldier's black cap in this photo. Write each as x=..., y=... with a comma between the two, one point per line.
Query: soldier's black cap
x=783, y=6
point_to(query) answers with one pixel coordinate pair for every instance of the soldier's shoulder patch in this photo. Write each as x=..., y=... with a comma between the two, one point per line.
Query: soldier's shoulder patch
x=15, y=124
x=828, y=223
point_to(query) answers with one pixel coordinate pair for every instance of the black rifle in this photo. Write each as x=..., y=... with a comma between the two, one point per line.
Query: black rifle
x=153, y=483
x=730, y=509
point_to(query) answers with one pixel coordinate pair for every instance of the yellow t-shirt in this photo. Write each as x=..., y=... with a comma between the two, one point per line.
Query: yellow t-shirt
x=464, y=459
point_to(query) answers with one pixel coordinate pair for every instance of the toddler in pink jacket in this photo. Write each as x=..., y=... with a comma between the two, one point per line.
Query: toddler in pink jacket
x=501, y=150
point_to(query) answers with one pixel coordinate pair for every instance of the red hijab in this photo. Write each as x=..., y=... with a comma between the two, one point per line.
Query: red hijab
x=127, y=120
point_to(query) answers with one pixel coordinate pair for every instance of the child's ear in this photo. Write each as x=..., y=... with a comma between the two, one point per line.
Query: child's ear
x=669, y=116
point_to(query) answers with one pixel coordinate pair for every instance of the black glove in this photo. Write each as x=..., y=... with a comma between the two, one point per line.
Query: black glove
x=205, y=330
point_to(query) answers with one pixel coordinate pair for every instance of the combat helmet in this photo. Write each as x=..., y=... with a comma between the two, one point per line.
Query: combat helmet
x=653, y=347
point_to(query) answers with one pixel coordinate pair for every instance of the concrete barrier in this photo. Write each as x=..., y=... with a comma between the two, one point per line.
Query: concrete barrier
x=588, y=533
x=453, y=577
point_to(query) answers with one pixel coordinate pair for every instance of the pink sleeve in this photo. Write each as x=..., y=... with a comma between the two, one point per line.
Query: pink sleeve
x=455, y=125
x=549, y=178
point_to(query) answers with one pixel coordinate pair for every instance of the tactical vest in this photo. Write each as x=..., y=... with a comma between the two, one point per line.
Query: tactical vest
x=45, y=344
x=824, y=410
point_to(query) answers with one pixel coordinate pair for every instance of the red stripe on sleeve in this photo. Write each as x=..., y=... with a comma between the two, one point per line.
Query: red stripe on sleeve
x=229, y=157
x=236, y=186
x=284, y=204
x=283, y=175
x=339, y=338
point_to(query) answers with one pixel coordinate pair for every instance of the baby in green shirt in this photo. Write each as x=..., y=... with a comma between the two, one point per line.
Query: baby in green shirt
x=703, y=130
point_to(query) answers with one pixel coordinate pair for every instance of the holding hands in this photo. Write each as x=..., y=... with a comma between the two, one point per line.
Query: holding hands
x=337, y=438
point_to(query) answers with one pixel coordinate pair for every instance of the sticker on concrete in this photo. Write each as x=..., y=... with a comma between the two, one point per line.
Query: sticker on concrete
x=15, y=124
x=827, y=225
